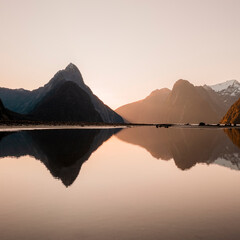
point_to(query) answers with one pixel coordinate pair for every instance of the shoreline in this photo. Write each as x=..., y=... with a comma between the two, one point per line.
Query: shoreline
x=7, y=127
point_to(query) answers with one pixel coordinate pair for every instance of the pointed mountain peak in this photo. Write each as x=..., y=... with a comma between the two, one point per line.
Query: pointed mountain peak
x=70, y=73
x=72, y=68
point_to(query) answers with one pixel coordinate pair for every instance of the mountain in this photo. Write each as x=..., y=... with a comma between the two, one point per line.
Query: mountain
x=25, y=101
x=185, y=103
x=230, y=87
x=187, y=147
x=62, y=151
x=67, y=102
x=6, y=115
x=148, y=110
x=3, y=114
x=229, y=91
x=233, y=114
x=188, y=103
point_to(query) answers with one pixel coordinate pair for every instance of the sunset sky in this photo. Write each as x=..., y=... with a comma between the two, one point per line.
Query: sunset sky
x=124, y=48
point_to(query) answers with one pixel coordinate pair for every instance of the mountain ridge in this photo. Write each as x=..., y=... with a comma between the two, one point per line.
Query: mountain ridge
x=223, y=86
x=184, y=103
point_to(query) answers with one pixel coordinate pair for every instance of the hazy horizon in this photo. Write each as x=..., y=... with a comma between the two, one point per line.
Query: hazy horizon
x=120, y=46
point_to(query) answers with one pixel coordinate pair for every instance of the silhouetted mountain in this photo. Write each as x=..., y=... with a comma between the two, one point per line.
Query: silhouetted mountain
x=24, y=101
x=185, y=103
x=233, y=114
x=7, y=115
x=67, y=102
x=3, y=115
x=186, y=146
x=62, y=151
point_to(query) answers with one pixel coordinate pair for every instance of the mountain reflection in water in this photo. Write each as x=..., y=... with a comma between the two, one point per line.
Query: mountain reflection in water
x=62, y=151
x=188, y=146
x=234, y=135
x=124, y=192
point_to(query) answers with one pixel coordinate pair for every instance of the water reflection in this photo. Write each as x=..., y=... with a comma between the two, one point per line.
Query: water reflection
x=62, y=151
x=123, y=192
x=234, y=135
x=188, y=146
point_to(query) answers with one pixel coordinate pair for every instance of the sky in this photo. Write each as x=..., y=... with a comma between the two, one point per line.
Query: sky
x=124, y=49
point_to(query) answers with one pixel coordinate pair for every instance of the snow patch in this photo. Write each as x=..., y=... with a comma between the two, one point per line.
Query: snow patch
x=229, y=88
x=223, y=86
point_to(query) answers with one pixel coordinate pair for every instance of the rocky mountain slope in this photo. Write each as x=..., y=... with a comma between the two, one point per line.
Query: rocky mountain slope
x=233, y=114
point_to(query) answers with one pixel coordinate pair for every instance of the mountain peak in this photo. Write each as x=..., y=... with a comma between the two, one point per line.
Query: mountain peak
x=182, y=82
x=72, y=68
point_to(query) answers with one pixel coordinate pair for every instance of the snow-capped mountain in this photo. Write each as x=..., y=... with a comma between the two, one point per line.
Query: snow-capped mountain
x=230, y=88
x=227, y=92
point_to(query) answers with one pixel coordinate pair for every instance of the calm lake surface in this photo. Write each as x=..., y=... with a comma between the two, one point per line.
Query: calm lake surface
x=135, y=183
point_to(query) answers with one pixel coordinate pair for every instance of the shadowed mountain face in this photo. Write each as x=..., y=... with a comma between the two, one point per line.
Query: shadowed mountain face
x=62, y=151
x=68, y=102
x=233, y=114
x=3, y=114
x=185, y=103
x=25, y=102
x=6, y=115
x=186, y=146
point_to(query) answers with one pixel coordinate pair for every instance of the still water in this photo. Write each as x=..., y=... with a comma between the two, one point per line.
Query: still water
x=136, y=183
